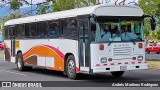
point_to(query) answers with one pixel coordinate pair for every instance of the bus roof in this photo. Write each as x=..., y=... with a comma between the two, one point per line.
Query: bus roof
x=98, y=10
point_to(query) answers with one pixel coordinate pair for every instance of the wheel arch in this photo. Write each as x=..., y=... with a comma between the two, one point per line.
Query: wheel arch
x=65, y=59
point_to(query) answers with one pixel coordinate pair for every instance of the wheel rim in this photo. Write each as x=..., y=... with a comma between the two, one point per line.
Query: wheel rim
x=19, y=62
x=71, y=67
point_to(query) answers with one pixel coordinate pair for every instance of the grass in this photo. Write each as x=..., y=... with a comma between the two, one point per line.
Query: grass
x=1, y=53
x=153, y=65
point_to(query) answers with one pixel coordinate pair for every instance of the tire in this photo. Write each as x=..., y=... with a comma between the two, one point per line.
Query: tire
x=117, y=74
x=147, y=51
x=158, y=52
x=20, y=63
x=71, y=67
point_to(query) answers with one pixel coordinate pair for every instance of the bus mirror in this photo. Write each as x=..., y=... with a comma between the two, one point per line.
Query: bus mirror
x=153, y=23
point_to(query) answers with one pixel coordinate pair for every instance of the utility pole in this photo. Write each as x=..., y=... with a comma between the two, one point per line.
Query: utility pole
x=31, y=7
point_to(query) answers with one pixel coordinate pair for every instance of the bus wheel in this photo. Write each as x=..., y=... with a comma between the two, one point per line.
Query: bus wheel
x=71, y=67
x=20, y=64
x=117, y=74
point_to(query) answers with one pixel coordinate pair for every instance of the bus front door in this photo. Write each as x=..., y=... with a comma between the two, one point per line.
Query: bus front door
x=12, y=36
x=84, y=47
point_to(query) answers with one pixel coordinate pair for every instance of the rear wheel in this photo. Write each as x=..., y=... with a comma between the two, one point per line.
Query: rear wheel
x=71, y=67
x=117, y=74
x=147, y=51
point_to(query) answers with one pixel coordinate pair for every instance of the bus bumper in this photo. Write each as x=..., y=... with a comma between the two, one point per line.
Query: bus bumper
x=120, y=68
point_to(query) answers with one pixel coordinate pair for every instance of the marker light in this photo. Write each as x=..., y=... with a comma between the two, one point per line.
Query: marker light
x=140, y=45
x=101, y=47
x=134, y=58
x=110, y=59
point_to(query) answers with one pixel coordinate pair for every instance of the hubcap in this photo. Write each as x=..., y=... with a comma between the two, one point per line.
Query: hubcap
x=19, y=62
x=71, y=67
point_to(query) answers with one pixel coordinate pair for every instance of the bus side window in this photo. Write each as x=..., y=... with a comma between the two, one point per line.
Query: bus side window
x=72, y=28
x=53, y=28
x=30, y=30
x=20, y=31
x=64, y=25
x=12, y=32
x=41, y=29
x=6, y=32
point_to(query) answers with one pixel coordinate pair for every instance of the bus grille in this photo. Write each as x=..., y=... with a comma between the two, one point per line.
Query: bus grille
x=122, y=51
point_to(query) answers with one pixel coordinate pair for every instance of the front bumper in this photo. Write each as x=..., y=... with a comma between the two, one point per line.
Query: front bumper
x=119, y=68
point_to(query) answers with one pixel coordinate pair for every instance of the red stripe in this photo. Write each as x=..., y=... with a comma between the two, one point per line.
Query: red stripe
x=112, y=63
x=51, y=47
x=57, y=51
x=77, y=70
x=97, y=64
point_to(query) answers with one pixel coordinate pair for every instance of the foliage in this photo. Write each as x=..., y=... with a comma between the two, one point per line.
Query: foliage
x=59, y=5
x=9, y=17
x=150, y=7
x=15, y=4
x=158, y=35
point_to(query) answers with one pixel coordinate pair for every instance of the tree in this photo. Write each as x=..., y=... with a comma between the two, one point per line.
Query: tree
x=9, y=17
x=151, y=7
x=17, y=4
x=59, y=5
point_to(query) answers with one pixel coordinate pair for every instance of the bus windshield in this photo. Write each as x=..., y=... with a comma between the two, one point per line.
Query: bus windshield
x=118, y=30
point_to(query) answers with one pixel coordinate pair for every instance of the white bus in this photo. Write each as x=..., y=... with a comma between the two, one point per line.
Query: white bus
x=95, y=39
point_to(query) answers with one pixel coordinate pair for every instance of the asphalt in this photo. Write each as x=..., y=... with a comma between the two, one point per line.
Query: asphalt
x=153, y=56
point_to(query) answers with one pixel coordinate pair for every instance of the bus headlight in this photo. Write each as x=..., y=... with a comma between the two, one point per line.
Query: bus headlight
x=140, y=58
x=103, y=60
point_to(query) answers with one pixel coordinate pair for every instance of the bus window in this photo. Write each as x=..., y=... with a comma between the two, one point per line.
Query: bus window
x=53, y=28
x=20, y=30
x=30, y=30
x=64, y=25
x=73, y=29
x=6, y=33
x=12, y=32
x=41, y=29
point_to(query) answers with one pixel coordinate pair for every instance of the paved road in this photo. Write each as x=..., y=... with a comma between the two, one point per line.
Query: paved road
x=9, y=72
x=153, y=56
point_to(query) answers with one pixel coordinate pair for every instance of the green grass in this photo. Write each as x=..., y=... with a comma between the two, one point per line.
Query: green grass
x=153, y=65
x=1, y=53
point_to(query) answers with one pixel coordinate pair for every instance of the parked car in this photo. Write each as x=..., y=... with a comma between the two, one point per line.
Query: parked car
x=152, y=48
x=1, y=46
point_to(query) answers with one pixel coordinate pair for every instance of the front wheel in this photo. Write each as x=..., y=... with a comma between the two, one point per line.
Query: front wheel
x=20, y=63
x=117, y=74
x=71, y=67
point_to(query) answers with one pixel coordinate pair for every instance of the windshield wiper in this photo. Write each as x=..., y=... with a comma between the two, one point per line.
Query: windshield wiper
x=112, y=40
x=131, y=39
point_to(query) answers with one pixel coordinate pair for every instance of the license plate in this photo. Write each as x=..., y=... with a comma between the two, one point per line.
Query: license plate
x=123, y=68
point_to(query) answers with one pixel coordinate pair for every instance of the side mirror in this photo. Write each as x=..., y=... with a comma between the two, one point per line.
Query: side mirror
x=153, y=23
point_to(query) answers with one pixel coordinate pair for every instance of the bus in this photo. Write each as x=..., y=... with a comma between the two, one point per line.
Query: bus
x=90, y=40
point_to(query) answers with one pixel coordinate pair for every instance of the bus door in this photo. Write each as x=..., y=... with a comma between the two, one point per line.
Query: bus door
x=12, y=38
x=84, y=47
